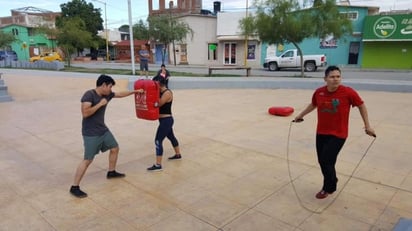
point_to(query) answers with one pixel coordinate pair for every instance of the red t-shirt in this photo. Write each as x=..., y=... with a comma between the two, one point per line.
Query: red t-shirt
x=333, y=109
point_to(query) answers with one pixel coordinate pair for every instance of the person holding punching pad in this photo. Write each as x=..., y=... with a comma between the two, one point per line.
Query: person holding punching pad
x=333, y=102
x=96, y=135
x=165, y=128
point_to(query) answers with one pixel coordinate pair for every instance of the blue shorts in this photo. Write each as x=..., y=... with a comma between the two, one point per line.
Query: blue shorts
x=94, y=144
x=144, y=65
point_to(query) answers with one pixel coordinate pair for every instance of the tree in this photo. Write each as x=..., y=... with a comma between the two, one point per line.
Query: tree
x=6, y=39
x=80, y=8
x=282, y=21
x=329, y=20
x=92, y=20
x=73, y=36
x=166, y=29
x=141, y=31
x=124, y=28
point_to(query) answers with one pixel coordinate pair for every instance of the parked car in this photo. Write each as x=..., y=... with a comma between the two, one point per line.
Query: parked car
x=291, y=59
x=49, y=56
x=8, y=55
x=102, y=54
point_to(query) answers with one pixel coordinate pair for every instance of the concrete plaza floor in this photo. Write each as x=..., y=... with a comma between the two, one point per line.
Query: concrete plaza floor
x=233, y=175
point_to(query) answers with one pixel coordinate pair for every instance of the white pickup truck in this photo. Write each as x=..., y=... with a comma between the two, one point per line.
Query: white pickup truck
x=291, y=59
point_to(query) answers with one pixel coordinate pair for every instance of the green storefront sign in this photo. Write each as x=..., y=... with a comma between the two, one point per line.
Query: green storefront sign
x=212, y=47
x=388, y=28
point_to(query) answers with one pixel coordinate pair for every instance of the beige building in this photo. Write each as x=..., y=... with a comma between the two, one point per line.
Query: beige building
x=217, y=38
x=232, y=46
x=196, y=50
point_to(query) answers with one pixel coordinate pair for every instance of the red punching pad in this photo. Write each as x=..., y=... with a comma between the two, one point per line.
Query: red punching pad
x=281, y=111
x=146, y=102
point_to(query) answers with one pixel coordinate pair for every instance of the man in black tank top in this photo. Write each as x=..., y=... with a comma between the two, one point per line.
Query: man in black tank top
x=165, y=128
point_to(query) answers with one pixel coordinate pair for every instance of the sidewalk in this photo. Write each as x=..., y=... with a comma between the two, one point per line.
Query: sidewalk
x=234, y=171
x=348, y=71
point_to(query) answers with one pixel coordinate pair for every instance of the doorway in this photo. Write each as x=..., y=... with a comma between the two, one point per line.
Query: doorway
x=161, y=54
x=353, y=52
x=183, y=54
x=229, y=54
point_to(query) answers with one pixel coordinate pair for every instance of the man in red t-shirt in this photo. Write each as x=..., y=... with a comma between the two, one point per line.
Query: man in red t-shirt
x=333, y=102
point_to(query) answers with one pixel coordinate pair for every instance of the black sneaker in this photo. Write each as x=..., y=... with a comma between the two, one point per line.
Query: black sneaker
x=175, y=157
x=155, y=168
x=75, y=191
x=114, y=174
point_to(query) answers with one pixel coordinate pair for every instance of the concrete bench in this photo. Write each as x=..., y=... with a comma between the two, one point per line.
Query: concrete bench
x=211, y=68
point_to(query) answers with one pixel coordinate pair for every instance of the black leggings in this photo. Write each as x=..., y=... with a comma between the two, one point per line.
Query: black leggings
x=328, y=148
x=164, y=130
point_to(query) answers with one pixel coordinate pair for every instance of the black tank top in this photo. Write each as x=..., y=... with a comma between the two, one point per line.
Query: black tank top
x=167, y=107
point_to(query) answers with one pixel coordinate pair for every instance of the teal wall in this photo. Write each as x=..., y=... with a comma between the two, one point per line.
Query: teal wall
x=25, y=36
x=17, y=45
x=334, y=56
x=338, y=55
x=390, y=55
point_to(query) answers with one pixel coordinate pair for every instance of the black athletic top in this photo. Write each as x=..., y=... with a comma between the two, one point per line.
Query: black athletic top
x=167, y=107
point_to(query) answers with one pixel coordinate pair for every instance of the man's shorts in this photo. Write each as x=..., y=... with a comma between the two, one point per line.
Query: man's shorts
x=94, y=144
x=144, y=66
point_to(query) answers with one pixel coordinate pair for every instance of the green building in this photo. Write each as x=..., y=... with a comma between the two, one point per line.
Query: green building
x=387, y=41
x=28, y=43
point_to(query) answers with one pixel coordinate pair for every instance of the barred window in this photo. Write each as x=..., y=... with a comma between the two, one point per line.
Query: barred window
x=15, y=31
x=212, y=51
x=351, y=15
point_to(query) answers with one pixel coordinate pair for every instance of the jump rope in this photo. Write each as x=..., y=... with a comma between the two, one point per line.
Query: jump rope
x=317, y=211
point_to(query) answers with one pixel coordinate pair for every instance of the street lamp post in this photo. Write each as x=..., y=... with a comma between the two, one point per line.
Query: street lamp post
x=106, y=29
x=246, y=37
x=173, y=33
x=129, y=9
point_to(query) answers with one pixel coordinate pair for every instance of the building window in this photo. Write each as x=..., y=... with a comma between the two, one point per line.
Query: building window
x=251, y=52
x=30, y=31
x=212, y=51
x=351, y=15
x=156, y=5
x=15, y=31
x=287, y=54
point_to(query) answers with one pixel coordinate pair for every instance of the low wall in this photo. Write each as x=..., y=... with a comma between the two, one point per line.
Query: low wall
x=55, y=65
x=277, y=83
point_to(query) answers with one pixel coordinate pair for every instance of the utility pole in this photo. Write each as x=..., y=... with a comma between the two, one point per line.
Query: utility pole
x=246, y=37
x=106, y=29
x=171, y=25
x=131, y=37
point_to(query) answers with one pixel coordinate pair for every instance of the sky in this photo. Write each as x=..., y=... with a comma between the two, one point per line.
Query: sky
x=117, y=10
